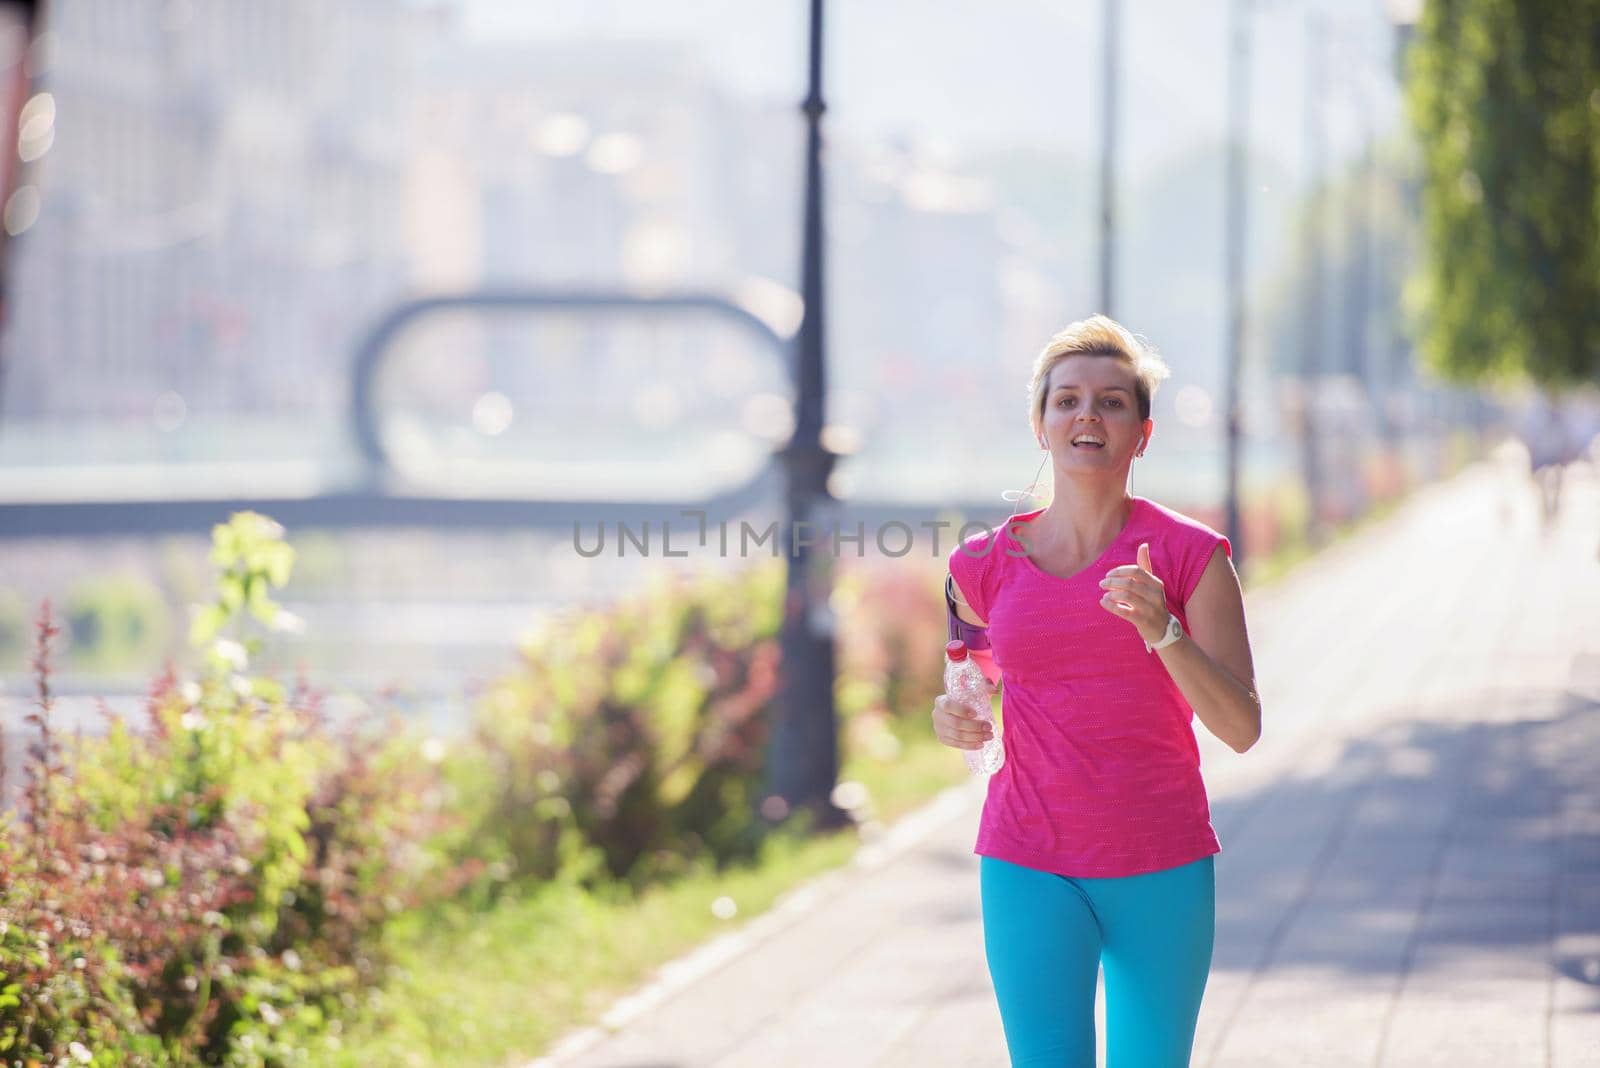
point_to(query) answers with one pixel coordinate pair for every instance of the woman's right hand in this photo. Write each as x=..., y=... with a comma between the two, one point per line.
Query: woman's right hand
x=958, y=726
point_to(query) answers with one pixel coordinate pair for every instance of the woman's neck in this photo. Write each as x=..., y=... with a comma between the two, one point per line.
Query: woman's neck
x=1082, y=517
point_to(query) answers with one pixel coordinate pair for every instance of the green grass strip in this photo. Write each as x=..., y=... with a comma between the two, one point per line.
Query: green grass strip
x=502, y=985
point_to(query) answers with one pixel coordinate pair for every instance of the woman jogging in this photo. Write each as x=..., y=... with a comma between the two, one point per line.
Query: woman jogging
x=1113, y=621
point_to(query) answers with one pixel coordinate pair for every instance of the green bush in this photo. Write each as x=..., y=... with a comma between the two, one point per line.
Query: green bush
x=209, y=886
x=892, y=634
x=630, y=745
x=116, y=623
x=14, y=627
x=212, y=884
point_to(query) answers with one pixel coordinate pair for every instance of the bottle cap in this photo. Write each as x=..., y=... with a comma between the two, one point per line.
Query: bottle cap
x=956, y=650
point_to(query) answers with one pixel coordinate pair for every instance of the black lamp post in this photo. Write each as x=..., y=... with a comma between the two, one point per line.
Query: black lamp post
x=1239, y=15
x=1312, y=314
x=1110, y=49
x=803, y=759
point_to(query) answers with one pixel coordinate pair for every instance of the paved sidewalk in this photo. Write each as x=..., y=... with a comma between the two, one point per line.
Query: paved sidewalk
x=1410, y=865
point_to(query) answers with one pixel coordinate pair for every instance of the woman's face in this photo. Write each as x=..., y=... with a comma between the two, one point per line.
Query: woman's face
x=1092, y=397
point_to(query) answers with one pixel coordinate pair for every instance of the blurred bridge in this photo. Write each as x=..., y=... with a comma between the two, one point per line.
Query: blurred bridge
x=375, y=492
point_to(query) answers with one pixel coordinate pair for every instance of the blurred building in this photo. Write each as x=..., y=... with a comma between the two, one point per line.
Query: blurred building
x=220, y=208
x=605, y=168
x=917, y=287
x=234, y=192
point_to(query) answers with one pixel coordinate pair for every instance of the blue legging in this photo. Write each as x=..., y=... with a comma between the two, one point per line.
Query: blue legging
x=1046, y=936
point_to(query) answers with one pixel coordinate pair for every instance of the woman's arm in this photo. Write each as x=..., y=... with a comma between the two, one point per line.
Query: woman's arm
x=963, y=609
x=954, y=723
x=1211, y=664
x=984, y=658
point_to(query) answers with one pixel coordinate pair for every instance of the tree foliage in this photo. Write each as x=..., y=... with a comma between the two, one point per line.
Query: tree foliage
x=1505, y=96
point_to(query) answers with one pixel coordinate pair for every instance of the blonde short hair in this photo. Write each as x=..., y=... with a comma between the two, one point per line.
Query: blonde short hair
x=1097, y=335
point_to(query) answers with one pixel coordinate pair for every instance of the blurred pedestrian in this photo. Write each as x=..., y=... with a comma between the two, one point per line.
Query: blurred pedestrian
x=1551, y=445
x=1110, y=621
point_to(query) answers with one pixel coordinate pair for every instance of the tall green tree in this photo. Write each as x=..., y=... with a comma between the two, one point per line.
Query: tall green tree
x=1505, y=96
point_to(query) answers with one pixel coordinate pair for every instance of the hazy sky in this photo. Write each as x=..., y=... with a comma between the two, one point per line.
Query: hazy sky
x=1009, y=73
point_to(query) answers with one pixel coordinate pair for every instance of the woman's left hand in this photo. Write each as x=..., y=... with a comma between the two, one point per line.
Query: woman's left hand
x=1134, y=593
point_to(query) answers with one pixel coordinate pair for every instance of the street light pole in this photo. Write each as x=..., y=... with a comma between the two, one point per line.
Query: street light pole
x=1312, y=318
x=1358, y=298
x=1239, y=16
x=1403, y=16
x=803, y=758
x=1108, y=154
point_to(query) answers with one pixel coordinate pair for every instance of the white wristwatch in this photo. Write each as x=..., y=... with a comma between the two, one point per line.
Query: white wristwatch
x=1174, y=632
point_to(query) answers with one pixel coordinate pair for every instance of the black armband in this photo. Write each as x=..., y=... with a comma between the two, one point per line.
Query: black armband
x=974, y=636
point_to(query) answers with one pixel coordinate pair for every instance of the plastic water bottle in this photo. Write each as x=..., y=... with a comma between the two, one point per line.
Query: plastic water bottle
x=965, y=681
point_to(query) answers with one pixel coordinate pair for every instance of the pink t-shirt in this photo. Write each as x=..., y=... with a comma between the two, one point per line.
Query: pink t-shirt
x=1102, y=774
